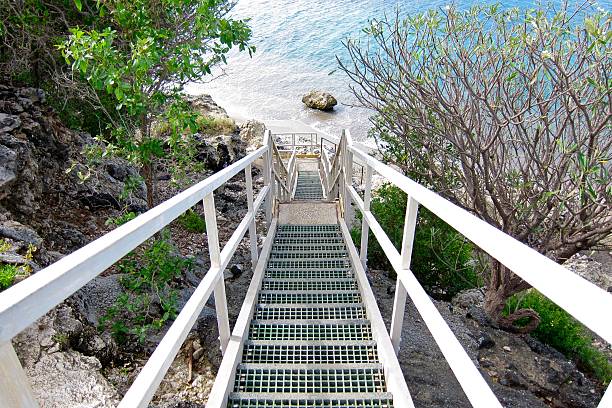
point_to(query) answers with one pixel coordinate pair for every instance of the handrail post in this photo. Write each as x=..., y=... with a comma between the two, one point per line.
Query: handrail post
x=399, y=302
x=267, y=171
x=365, y=228
x=214, y=250
x=252, y=225
x=348, y=177
x=15, y=391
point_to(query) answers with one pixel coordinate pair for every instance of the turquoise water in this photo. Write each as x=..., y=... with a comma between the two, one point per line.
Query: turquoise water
x=297, y=43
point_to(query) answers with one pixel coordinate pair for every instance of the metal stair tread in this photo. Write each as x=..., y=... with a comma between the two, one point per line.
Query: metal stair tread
x=316, y=322
x=307, y=305
x=312, y=397
x=327, y=367
x=336, y=343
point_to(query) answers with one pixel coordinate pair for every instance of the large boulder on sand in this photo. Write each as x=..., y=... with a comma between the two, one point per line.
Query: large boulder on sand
x=319, y=100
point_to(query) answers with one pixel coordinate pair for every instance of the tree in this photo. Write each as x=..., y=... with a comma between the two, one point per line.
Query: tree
x=144, y=55
x=504, y=112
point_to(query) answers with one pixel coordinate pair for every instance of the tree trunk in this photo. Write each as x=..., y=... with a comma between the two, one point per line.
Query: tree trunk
x=148, y=174
x=502, y=285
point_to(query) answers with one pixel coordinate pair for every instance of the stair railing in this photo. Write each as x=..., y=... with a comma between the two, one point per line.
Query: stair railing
x=585, y=301
x=22, y=304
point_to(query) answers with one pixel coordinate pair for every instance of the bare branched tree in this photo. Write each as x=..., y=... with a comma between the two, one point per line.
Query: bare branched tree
x=504, y=112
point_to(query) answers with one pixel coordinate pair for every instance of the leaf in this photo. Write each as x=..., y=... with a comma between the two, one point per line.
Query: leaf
x=119, y=94
x=78, y=4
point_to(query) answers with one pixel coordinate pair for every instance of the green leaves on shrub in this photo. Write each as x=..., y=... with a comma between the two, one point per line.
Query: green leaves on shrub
x=561, y=331
x=441, y=257
x=192, y=221
x=7, y=275
x=148, y=300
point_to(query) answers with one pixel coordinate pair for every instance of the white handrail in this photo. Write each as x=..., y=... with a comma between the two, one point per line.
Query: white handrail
x=25, y=302
x=585, y=301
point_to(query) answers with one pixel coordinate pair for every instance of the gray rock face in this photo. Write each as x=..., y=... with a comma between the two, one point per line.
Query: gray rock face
x=220, y=151
x=20, y=232
x=252, y=133
x=61, y=378
x=207, y=106
x=36, y=149
x=319, y=100
x=522, y=371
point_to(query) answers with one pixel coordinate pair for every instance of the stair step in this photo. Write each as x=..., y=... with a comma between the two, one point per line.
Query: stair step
x=318, y=297
x=308, y=234
x=305, y=256
x=307, y=248
x=308, y=274
x=311, y=312
x=309, y=264
x=346, y=378
x=323, y=227
x=300, y=284
x=309, y=241
x=259, y=400
x=323, y=331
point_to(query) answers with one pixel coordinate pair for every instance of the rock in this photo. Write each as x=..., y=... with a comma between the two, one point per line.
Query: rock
x=319, y=100
x=20, y=232
x=507, y=349
x=205, y=105
x=93, y=300
x=61, y=378
x=8, y=167
x=220, y=151
x=464, y=300
x=485, y=341
x=9, y=122
x=252, y=133
x=591, y=270
x=198, y=354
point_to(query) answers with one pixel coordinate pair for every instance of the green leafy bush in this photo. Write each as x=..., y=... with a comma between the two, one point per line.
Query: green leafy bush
x=121, y=219
x=441, y=257
x=560, y=330
x=192, y=221
x=7, y=275
x=148, y=300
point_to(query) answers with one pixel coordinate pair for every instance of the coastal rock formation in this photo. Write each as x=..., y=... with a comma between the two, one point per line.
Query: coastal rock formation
x=319, y=100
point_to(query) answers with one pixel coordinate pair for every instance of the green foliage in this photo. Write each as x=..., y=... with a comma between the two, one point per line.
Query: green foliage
x=148, y=300
x=7, y=275
x=441, y=257
x=192, y=221
x=560, y=330
x=142, y=57
x=215, y=126
x=8, y=272
x=121, y=219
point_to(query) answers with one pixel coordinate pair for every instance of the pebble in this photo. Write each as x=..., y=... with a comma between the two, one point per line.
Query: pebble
x=507, y=348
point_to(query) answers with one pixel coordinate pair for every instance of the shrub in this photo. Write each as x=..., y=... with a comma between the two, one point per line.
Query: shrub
x=148, y=300
x=7, y=275
x=441, y=257
x=121, y=219
x=192, y=221
x=560, y=330
x=215, y=126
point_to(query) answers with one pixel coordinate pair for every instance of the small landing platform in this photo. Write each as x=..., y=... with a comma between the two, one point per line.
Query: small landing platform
x=301, y=213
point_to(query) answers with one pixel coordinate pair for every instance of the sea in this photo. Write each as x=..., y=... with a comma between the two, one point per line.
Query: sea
x=298, y=43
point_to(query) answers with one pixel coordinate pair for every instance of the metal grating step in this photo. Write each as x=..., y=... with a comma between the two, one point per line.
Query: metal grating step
x=309, y=264
x=293, y=331
x=309, y=297
x=311, y=312
x=299, y=284
x=309, y=241
x=370, y=400
x=308, y=274
x=306, y=248
x=307, y=354
x=309, y=380
x=328, y=227
x=308, y=234
x=308, y=255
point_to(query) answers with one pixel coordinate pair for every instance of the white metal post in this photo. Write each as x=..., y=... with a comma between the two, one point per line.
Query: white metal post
x=399, y=303
x=365, y=229
x=15, y=391
x=348, y=178
x=253, y=225
x=606, y=400
x=267, y=171
x=215, y=261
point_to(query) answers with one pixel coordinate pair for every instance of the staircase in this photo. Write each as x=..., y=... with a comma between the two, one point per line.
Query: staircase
x=308, y=186
x=310, y=341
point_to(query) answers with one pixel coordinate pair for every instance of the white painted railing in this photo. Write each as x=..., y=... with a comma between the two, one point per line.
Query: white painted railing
x=25, y=302
x=586, y=302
